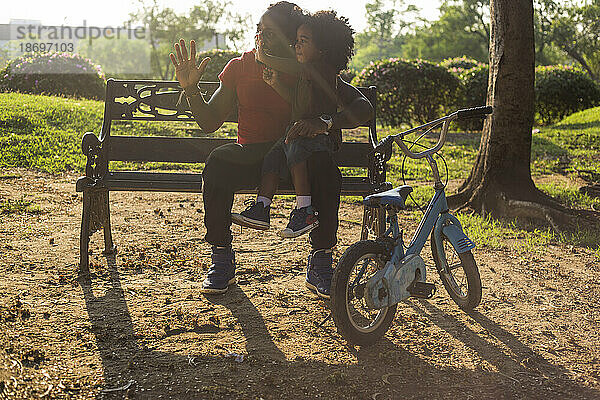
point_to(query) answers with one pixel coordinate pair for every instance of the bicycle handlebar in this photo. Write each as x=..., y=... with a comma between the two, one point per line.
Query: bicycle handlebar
x=385, y=146
x=475, y=112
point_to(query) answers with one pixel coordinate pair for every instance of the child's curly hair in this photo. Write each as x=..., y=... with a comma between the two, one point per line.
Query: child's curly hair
x=332, y=35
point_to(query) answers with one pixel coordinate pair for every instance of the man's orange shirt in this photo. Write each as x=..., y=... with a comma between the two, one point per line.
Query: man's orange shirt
x=263, y=115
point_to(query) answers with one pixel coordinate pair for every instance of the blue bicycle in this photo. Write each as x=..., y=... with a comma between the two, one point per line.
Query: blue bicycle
x=373, y=276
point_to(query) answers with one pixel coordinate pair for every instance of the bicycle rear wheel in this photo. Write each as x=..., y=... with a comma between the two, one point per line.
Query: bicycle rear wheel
x=356, y=322
x=459, y=274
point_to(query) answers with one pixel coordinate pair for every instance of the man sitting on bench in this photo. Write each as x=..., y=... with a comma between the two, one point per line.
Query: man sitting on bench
x=262, y=118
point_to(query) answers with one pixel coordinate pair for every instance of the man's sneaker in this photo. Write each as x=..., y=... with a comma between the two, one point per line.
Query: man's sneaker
x=302, y=220
x=319, y=272
x=256, y=216
x=221, y=273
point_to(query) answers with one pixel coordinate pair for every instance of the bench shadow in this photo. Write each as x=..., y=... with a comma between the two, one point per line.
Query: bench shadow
x=111, y=325
x=384, y=371
x=124, y=358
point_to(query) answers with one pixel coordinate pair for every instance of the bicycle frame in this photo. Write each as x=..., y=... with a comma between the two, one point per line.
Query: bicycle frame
x=438, y=219
x=437, y=205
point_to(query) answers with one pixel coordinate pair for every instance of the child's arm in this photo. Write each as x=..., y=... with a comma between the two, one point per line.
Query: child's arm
x=271, y=77
x=282, y=64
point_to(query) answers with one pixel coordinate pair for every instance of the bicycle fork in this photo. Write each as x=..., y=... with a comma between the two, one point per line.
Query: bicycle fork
x=449, y=226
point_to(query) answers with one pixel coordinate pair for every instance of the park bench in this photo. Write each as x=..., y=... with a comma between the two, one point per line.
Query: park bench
x=145, y=100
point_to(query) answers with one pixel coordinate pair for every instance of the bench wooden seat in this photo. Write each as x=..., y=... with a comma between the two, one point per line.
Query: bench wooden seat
x=141, y=100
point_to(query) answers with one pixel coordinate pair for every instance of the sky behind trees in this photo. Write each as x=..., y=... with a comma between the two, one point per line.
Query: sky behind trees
x=114, y=12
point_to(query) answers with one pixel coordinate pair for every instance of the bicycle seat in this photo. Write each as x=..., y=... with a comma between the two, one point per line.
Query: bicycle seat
x=395, y=198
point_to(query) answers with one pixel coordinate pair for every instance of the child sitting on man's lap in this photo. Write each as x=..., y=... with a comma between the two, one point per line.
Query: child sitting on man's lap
x=324, y=45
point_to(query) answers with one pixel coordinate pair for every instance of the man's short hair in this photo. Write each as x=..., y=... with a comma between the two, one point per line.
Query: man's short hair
x=288, y=17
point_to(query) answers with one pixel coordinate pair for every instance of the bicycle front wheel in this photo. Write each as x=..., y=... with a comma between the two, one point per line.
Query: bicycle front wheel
x=459, y=274
x=354, y=320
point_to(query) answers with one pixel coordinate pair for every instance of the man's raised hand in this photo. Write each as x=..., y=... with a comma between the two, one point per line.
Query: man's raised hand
x=186, y=71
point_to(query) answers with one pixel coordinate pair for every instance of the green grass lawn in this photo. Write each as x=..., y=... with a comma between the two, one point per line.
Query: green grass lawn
x=572, y=146
x=44, y=133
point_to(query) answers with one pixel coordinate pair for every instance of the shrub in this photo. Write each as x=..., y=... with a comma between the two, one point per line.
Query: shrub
x=561, y=90
x=218, y=60
x=473, y=94
x=348, y=74
x=62, y=74
x=459, y=65
x=409, y=91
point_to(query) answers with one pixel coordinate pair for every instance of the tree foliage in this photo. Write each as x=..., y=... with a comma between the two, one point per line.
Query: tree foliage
x=461, y=30
x=201, y=23
x=388, y=21
x=575, y=30
x=566, y=32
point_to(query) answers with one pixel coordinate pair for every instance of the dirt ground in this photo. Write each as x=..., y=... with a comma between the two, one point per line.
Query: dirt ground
x=142, y=329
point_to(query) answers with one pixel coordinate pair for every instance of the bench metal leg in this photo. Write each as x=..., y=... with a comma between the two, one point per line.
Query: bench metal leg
x=109, y=247
x=95, y=215
x=84, y=236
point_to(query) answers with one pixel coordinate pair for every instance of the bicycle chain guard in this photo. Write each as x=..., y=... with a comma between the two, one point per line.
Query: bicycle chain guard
x=391, y=285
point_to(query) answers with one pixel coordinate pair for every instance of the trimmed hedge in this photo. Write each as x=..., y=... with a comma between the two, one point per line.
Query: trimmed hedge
x=408, y=91
x=561, y=90
x=459, y=65
x=218, y=60
x=62, y=74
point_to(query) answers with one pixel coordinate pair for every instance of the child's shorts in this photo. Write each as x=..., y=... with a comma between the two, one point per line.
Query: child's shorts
x=294, y=152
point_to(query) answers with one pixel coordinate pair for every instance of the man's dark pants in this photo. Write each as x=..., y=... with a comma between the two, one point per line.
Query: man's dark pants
x=232, y=167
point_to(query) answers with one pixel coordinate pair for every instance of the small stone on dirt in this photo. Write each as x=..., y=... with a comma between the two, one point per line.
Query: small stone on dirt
x=33, y=358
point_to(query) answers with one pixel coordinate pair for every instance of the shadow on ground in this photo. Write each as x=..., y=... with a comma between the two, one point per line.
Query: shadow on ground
x=383, y=371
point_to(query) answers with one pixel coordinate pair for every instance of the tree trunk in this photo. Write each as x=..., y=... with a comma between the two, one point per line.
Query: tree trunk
x=500, y=182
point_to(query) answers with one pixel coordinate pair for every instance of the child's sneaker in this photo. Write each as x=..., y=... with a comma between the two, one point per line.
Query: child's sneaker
x=256, y=216
x=302, y=220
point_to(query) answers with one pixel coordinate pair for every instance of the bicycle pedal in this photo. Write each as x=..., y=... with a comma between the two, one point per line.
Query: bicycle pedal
x=422, y=290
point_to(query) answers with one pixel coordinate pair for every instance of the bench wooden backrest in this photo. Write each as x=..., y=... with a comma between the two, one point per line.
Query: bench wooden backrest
x=141, y=100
